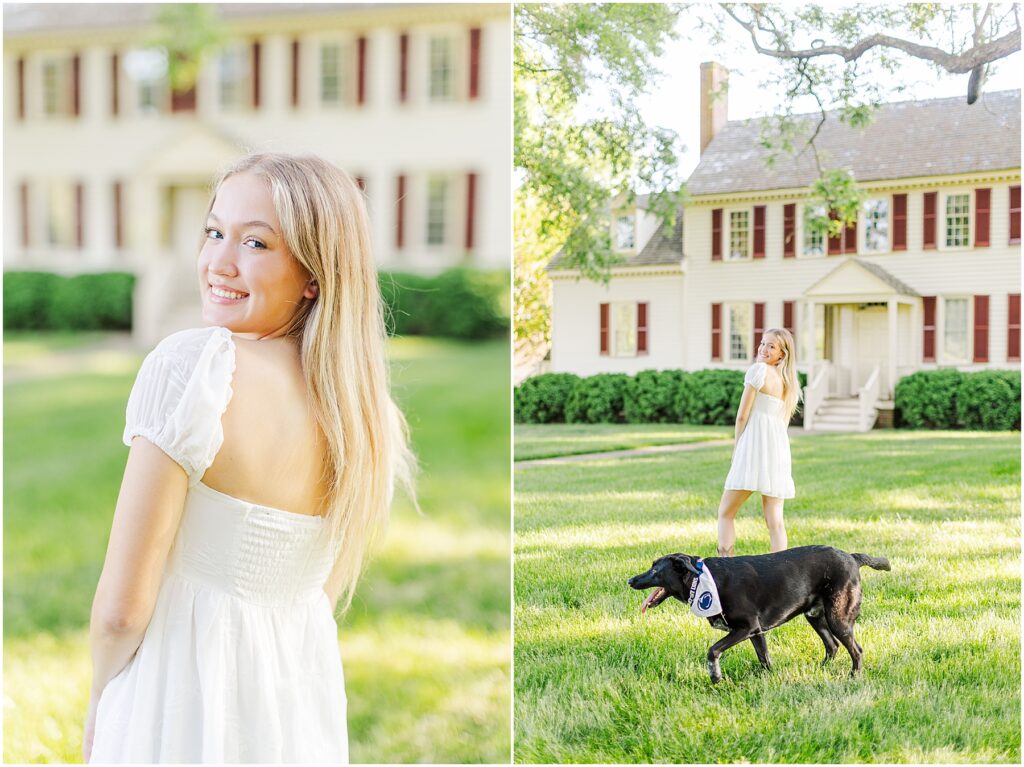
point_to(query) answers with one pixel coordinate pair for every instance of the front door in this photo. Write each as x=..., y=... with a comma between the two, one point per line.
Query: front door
x=871, y=329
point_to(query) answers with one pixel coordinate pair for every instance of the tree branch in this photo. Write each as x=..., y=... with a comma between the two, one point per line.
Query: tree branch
x=953, y=63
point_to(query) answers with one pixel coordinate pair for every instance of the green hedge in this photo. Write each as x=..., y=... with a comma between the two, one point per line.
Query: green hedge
x=46, y=301
x=651, y=396
x=948, y=399
x=458, y=303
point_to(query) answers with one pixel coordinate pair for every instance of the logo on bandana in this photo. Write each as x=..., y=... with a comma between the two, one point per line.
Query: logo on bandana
x=705, y=600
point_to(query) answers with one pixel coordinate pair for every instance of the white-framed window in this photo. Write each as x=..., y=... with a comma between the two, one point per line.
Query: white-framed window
x=875, y=214
x=442, y=68
x=957, y=227
x=233, y=72
x=146, y=71
x=337, y=73
x=56, y=80
x=739, y=234
x=625, y=232
x=740, y=318
x=956, y=330
x=438, y=193
x=60, y=215
x=813, y=244
x=624, y=329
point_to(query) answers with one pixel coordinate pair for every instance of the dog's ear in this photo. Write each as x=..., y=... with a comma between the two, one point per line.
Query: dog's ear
x=686, y=561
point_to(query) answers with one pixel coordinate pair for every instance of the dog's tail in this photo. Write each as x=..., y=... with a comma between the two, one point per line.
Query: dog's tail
x=877, y=563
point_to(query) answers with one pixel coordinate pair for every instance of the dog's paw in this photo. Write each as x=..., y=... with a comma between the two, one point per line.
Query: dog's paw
x=715, y=672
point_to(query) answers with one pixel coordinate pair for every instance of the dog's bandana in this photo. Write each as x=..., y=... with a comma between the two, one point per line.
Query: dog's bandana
x=704, y=601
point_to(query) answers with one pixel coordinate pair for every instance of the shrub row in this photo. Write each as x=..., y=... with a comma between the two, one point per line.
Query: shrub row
x=650, y=396
x=459, y=303
x=948, y=399
x=46, y=301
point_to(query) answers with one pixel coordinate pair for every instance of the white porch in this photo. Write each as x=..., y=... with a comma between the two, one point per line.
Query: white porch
x=859, y=341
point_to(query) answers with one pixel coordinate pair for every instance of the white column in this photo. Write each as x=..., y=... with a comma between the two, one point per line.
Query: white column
x=811, y=335
x=893, y=340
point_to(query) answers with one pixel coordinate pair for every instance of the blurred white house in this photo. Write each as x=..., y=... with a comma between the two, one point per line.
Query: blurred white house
x=107, y=169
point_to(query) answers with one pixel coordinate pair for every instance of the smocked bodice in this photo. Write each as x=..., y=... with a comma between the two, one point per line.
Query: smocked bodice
x=766, y=404
x=255, y=553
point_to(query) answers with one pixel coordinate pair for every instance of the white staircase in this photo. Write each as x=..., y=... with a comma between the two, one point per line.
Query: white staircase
x=842, y=414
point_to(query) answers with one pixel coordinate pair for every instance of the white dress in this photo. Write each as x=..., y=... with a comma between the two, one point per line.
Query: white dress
x=761, y=460
x=240, y=661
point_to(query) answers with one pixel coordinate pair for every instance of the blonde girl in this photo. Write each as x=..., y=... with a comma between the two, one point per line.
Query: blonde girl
x=264, y=451
x=761, y=458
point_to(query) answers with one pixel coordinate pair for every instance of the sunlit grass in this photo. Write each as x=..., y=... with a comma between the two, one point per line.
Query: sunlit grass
x=554, y=439
x=426, y=642
x=598, y=682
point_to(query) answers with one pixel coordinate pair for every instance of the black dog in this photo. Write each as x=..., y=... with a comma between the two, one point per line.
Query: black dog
x=759, y=593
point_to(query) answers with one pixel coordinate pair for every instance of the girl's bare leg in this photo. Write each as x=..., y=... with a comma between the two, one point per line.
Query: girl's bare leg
x=727, y=508
x=776, y=526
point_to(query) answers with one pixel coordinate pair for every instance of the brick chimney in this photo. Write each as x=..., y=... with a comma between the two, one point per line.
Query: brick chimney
x=714, y=111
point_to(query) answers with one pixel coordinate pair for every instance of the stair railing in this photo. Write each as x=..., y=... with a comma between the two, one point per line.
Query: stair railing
x=815, y=392
x=867, y=397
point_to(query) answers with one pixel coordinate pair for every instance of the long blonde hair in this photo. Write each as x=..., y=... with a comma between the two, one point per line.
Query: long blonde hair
x=787, y=370
x=342, y=331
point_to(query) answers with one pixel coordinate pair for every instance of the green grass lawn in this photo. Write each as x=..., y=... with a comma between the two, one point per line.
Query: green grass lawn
x=598, y=682
x=553, y=439
x=426, y=643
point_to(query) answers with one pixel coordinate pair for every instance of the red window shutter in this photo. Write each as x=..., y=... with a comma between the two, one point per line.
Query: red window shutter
x=26, y=228
x=184, y=101
x=641, y=328
x=20, y=88
x=930, y=204
x=789, y=230
x=758, y=325
x=76, y=85
x=403, y=68
x=361, y=72
x=470, y=209
x=118, y=216
x=79, y=215
x=1015, y=213
x=788, y=309
x=604, y=328
x=716, y=234
x=1013, y=327
x=929, y=329
x=850, y=238
x=295, y=73
x=474, y=63
x=982, y=216
x=759, y=231
x=256, y=74
x=899, y=222
x=400, y=215
x=115, y=81
x=981, y=328
x=835, y=244
x=716, y=331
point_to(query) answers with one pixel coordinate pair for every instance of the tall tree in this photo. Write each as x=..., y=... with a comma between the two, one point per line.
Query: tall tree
x=570, y=166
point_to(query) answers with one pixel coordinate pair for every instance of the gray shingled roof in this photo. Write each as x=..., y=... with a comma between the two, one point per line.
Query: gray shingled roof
x=901, y=287
x=30, y=18
x=905, y=139
x=660, y=249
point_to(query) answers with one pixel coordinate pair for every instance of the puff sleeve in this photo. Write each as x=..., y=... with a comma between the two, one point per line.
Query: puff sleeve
x=179, y=396
x=756, y=375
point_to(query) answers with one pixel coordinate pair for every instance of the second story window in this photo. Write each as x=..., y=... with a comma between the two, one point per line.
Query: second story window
x=739, y=234
x=437, y=209
x=233, y=76
x=814, y=238
x=625, y=236
x=147, y=73
x=336, y=70
x=876, y=225
x=56, y=87
x=442, y=68
x=958, y=220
